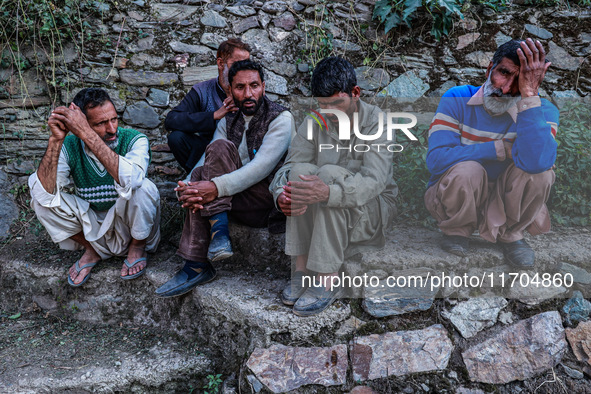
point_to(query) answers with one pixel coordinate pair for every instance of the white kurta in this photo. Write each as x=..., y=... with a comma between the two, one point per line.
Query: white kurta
x=135, y=214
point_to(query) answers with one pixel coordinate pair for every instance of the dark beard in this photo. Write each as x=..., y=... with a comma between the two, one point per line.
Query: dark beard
x=250, y=111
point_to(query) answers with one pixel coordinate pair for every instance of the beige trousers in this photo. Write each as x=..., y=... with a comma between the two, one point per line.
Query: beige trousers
x=464, y=200
x=108, y=232
x=329, y=235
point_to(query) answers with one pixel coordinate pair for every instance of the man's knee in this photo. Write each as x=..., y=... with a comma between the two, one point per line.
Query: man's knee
x=328, y=173
x=543, y=179
x=176, y=140
x=467, y=174
x=146, y=192
x=221, y=145
x=302, y=169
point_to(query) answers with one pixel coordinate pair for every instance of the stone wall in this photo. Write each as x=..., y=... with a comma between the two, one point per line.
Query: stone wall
x=147, y=54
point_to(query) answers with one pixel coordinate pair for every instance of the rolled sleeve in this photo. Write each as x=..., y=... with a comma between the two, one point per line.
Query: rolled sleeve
x=42, y=196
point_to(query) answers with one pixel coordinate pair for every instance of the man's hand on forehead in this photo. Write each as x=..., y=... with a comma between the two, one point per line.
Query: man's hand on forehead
x=533, y=67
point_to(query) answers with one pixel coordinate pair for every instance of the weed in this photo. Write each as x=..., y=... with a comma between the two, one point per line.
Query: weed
x=570, y=202
x=213, y=384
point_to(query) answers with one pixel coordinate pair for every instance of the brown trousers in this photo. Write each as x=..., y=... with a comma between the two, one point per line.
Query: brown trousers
x=250, y=207
x=464, y=200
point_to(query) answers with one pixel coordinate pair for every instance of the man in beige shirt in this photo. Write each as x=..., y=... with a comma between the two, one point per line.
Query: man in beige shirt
x=338, y=201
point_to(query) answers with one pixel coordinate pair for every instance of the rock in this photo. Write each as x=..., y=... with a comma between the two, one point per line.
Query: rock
x=181, y=60
x=561, y=94
x=212, y=40
x=518, y=352
x=283, y=68
x=303, y=67
x=480, y=58
x=346, y=46
x=193, y=75
x=279, y=35
x=408, y=87
x=285, y=368
x=580, y=275
x=442, y=89
x=102, y=75
x=506, y=317
x=467, y=72
x=285, y=21
x=158, y=98
x=143, y=44
x=243, y=25
x=142, y=115
x=264, y=19
x=468, y=24
x=213, y=19
x=275, y=83
x=577, y=309
x=241, y=10
x=8, y=209
x=573, y=373
x=141, y=59
x=561, y=59
x=400, y=353
x=538, y=32
x=467, y=39
x=371, y=78
x=349, y=326
x=500, y=39
x=274, y=6
x=466, y=390
x=476, y=314
x=180, y=47
x=255, y=384
x=580, y=341
x=532, y=295
x=362, y=390
x=147, y=78
x=384, y=300
x=173, y=12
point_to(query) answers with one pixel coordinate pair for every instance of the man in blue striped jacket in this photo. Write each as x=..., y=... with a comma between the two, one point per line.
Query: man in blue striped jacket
x=491, y=152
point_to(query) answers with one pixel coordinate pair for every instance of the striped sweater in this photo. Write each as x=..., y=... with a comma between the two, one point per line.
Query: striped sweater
x=463, y=131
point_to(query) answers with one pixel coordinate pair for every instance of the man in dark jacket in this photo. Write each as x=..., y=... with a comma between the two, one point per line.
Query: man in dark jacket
x=193, y=121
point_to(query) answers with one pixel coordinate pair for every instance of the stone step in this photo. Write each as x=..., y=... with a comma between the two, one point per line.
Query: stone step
x=46, y=354
x=237, y=312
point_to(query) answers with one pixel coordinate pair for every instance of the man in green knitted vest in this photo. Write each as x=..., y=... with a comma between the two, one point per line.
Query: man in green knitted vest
x=115, y=209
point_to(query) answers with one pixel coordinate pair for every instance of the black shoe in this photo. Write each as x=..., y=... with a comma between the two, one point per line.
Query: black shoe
x=181, y=284
x=220, y=248
x=519, y=254
x=315, y=300
x=294, y=289
x=455, y=244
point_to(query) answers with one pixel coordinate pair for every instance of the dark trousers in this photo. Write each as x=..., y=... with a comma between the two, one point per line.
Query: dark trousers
x=188, y=148
x=250, y=207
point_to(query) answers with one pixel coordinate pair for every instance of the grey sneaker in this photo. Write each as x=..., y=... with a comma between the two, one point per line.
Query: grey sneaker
x=315, y=300
x=294, y=289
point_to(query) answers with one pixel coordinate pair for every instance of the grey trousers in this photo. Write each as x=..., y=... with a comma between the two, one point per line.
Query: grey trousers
x=464, y=200
x=329, y=235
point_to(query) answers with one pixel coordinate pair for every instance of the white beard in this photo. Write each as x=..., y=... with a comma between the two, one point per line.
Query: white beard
x=495, y=102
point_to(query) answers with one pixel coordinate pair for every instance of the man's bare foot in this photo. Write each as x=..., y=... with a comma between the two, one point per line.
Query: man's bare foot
x=137, y=250
x=89, y=256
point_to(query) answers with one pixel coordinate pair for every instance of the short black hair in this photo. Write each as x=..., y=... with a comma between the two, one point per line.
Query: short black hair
x=333, y=75
x=245, y=65
x=91, y=97
x=508, y=50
